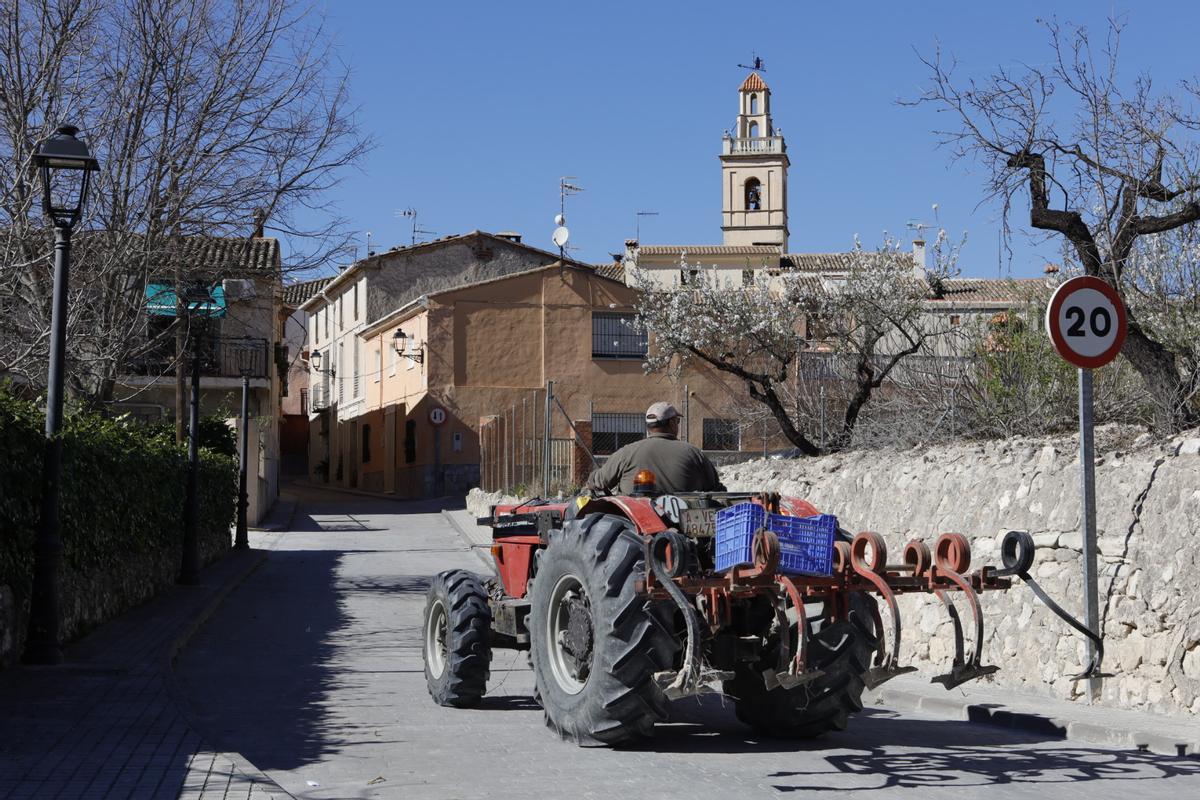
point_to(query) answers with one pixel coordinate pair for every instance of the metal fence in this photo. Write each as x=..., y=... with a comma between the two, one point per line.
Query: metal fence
x=518, y=452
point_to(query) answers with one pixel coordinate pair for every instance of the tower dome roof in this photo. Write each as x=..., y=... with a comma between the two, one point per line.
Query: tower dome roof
x=753, y=83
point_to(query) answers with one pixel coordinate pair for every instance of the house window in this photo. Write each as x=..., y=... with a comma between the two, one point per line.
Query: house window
x=378, y=364
x=747, y=277
x=366, y=443
x=753, y=194
x=410, y=441
x=355, y=318
x=687, y=276
x=955, y=319
x=304, y=401
x=611, y=432
x=356, y=368
x=341, y=360
x=615, y=335
x=391, y=360
x=325, y=318
x=721, y=434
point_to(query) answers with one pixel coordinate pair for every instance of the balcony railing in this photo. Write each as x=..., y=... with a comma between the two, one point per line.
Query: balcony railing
x=220, y=357
x=754, y=145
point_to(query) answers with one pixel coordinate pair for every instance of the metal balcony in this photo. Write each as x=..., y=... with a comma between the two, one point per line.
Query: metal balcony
x=220, y=357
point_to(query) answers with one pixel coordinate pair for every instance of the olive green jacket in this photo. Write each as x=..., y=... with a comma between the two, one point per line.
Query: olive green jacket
x=677, y=467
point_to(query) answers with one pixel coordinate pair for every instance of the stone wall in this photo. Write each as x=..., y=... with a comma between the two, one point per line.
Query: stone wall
x=1148, y=521
x=91, y=597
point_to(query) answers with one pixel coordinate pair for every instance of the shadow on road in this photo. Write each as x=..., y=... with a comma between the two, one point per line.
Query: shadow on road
x=961, y=766
x=875, y=752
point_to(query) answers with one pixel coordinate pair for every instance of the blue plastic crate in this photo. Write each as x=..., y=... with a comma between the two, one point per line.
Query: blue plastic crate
x=805, y=543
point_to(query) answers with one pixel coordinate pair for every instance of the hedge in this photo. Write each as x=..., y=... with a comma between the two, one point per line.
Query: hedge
x=122, y=500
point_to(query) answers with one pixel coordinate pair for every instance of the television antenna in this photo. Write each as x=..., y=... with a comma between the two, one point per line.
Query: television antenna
x=637, y=236
x=561, y=235
x=410, y=212
x=756, y=65
x=917, y=227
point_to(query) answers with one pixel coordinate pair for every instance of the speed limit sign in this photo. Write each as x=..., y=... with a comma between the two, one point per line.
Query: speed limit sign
x=1086, y=322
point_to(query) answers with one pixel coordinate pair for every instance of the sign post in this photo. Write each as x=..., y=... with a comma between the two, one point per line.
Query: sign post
x=1086, y=323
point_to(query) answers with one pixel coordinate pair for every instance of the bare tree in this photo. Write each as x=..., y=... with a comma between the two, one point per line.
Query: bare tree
x=209, y=117
x=1105, y=162
x=873, y=318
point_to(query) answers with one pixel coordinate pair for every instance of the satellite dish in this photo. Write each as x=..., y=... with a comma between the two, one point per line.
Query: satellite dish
x=559, y=219
x=560, y=236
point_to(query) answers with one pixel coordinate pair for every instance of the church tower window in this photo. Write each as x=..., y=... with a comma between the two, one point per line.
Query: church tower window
x=753, y=130
x=753, y=195
x=753, y=104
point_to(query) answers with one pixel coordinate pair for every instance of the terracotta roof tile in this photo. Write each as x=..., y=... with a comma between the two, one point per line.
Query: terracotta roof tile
x=295, y=294
x=614, y=270
x=992, y=290
x=708, y=250
x=753, y=83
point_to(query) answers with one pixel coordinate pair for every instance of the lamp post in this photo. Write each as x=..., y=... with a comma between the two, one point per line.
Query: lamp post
x=246, y=365
x=315, y=361
x=65, y=165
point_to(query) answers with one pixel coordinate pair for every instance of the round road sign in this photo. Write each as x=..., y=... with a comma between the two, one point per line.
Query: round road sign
x=437, y=415
x=1086, y=322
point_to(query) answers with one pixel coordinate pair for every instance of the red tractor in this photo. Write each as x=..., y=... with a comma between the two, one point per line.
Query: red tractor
x=628, y=602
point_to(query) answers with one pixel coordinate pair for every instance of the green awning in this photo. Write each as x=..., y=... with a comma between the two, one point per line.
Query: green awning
x=200, y=300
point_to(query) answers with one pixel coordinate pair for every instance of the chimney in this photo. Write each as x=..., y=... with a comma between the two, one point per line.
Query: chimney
x=1051, y=269
x=511, y=236
x=260, y=223
x=918, y=253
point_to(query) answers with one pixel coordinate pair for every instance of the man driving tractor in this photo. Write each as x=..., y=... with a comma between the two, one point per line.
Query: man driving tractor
x=677, y=466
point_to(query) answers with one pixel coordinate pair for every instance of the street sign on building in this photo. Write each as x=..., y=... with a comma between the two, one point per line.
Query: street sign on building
x=437, y=416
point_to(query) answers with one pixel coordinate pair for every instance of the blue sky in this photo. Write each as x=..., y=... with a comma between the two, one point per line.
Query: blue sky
x=479, y=108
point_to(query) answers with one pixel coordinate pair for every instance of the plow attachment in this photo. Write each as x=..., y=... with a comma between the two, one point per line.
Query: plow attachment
x=859, y=566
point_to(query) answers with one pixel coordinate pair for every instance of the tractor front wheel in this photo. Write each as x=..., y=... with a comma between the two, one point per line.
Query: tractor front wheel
x=594, y=643
x=455, y=645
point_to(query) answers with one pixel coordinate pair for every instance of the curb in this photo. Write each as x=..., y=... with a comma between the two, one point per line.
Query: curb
x=1040, y=724
x=477, y=549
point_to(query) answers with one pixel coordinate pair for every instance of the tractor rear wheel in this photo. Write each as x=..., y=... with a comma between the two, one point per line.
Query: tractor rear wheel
x=594, y=642
x=455, y=645
x=842, y=651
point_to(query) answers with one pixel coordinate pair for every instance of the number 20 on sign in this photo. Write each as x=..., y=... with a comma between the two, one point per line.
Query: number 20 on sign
x=1086, y=322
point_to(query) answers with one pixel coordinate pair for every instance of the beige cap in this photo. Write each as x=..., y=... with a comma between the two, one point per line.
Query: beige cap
x=660, y=412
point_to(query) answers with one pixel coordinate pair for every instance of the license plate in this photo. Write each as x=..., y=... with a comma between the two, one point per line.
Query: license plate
x=698, y=522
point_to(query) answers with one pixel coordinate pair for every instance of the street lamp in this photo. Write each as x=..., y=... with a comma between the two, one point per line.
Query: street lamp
x=65, y=165
x=399, y=342
x=246, y=366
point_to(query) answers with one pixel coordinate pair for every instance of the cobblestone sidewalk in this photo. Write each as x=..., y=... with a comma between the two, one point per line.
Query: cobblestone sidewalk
x=104, y=724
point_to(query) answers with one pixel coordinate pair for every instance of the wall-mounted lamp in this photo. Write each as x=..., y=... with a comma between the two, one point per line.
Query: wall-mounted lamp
x=315, y=361
x=399, y=342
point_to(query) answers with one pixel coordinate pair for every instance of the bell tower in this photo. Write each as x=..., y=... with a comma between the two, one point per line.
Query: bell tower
x=754, y=166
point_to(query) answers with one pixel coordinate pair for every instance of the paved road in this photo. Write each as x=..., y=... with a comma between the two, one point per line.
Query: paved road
x=312, y=670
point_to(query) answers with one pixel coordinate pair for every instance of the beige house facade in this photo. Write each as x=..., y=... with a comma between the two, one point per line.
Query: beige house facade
x=482, y=354
x=244, y=330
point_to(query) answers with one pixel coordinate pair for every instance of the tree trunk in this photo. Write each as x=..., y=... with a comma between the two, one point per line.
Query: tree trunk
x=1159, y=372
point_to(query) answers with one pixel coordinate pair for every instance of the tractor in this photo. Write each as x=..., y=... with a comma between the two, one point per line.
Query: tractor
x=626, y=603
